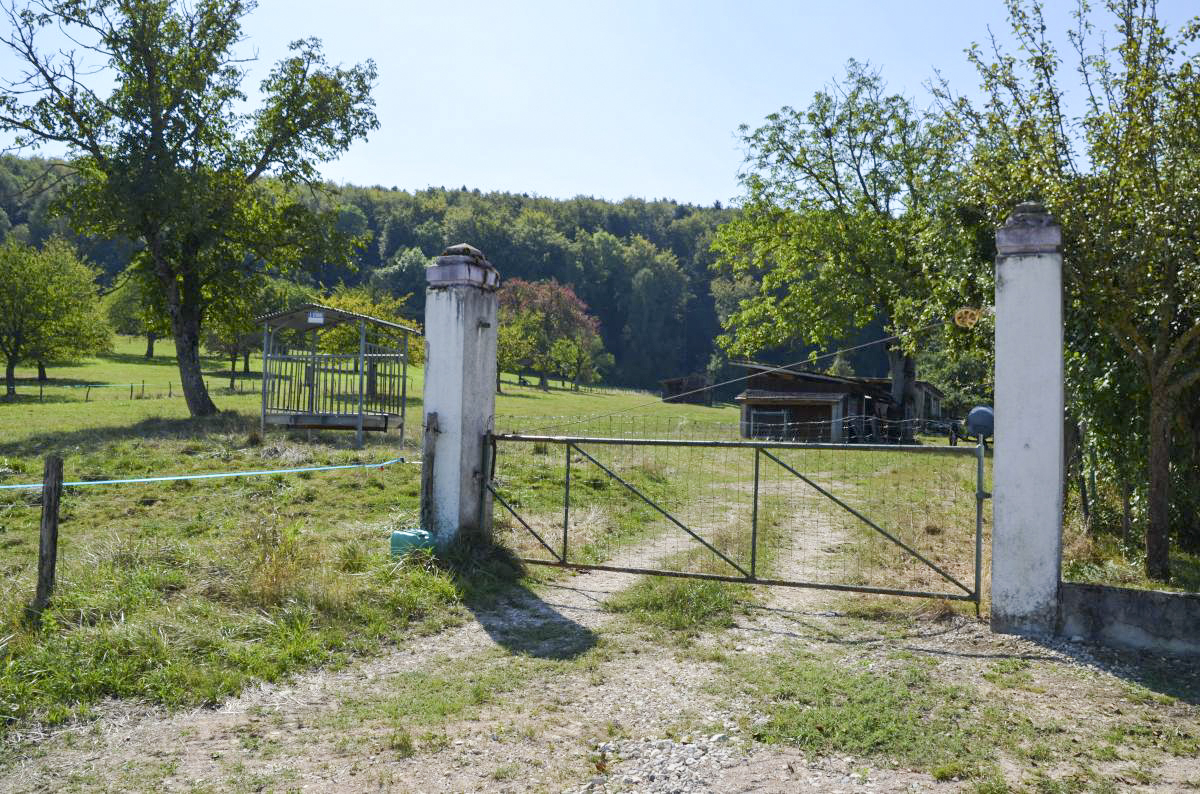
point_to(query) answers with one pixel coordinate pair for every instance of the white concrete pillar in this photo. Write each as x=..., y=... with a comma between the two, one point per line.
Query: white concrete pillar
x=459, y=396
x=835, y=422
x=1028, y=472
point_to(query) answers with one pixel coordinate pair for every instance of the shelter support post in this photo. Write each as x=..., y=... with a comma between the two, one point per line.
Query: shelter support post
x=460, y=376
x=362, y=360
x=266, y=353
x=1028, y=468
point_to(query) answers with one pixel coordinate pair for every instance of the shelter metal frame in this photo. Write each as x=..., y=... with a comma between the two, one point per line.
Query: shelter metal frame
x=303, y=388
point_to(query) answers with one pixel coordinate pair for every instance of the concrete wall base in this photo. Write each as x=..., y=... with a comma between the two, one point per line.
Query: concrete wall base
x=1145, y=620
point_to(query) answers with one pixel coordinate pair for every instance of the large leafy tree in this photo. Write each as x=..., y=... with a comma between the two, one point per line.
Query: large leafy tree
x=847, y=218
x=1121, y=172
x=540, y=314
x=49, y=307
x=168, y=159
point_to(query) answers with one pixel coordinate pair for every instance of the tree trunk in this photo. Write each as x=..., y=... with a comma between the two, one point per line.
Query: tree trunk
x=42, y=372
x=232, y=369
x=1126, y=512
x=902, y=369
x=1158, y=562
x=543, y=381
x=150, y=337
x=185, y=324
x=246, y=361
x=10, y=378
x=498, y=391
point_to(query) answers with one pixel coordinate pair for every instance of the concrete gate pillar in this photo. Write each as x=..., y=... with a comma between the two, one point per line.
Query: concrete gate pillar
x=459, y=395
x=1028, y=468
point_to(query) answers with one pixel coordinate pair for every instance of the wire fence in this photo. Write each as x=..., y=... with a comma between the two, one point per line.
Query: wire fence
x=106, y=518
x=895, y=519
x=49, y=391
x=852, y=429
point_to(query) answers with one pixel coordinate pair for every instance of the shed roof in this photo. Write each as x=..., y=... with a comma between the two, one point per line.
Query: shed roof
x=793, y=374
x=789, y=397
x=301, y=318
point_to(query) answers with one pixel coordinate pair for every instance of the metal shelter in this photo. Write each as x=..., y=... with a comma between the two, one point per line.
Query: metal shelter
x=305, y=388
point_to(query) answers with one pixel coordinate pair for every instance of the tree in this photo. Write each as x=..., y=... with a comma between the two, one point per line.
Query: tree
x=49, y=308
x=546, y=312
x=167, y=159
x=846, y=218
x=516, y=341
x=373, y=303
x=131, y=310
x=404, y=277
x=653, y=343
x=232, y=329
x=840, y=366
x=1122, y=176
x=581, y=358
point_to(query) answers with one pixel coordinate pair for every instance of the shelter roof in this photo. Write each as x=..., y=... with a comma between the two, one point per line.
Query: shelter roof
x=788, y=397
x=308, y=316
x=854, y=385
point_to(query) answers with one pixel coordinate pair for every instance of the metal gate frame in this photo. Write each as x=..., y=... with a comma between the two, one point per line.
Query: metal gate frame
x=761, y=449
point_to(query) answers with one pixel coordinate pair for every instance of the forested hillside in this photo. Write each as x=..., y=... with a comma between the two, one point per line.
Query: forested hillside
x=642, y=267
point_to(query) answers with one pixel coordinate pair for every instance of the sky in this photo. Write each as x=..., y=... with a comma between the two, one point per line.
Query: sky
x=610, y=98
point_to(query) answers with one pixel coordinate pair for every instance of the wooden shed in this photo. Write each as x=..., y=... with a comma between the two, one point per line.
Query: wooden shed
x=304, y=387
x=695, y=388
x=797, y=405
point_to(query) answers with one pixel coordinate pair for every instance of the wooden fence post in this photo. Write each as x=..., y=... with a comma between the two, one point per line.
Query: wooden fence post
x=52, y=478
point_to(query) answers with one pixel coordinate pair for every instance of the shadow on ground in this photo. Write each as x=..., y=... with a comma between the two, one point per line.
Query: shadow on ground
x=176, y=429
x=1175, y=676
x=522, y=623
x=514, y=616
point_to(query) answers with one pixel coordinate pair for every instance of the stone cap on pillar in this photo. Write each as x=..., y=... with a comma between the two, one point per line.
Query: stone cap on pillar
x=1029, y=230
x=462, y=265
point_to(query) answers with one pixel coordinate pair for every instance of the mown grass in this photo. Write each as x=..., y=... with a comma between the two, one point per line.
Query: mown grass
x=904, y=711
x=680, y=604
x=183, y=593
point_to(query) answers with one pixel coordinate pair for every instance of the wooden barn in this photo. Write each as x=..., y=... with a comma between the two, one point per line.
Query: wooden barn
x=926, y=404
x=695, y=389
x=797, y=405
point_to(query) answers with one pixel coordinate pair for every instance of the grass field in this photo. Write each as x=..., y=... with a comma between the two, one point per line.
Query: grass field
x=182, y=593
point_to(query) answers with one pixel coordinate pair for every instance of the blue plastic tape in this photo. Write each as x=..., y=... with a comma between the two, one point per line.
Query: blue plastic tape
x=173, y=478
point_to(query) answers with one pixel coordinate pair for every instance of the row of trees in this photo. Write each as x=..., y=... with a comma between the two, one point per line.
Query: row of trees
x=642, y=267
x=864, y=206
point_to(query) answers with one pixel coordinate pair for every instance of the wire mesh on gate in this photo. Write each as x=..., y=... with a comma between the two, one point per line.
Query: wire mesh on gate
x=879, y=518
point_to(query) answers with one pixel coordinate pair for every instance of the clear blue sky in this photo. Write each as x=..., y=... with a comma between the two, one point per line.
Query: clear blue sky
x=610, y=98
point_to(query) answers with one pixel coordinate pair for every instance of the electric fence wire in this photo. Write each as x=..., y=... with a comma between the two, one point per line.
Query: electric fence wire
x=739, y=379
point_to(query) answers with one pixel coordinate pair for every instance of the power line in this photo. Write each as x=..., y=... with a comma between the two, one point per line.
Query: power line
x=739, y=379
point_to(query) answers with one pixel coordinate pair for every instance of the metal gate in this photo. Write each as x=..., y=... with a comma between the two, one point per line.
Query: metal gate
x=887, y=519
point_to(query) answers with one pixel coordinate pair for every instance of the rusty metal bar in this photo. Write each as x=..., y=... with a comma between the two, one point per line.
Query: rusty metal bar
x=566, y=501
x=845, y=588
x=763, y=445
x=754, y=520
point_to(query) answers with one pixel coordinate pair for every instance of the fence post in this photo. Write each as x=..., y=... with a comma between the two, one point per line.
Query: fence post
x=460, y=380
x=1028, y=462
x=52, y=477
